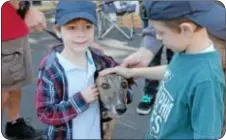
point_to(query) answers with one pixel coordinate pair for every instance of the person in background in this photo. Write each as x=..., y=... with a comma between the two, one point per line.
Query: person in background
x=143, y=15
x=16, y=63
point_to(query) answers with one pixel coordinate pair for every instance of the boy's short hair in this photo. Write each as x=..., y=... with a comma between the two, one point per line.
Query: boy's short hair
x=206, y=14
x=75, y=9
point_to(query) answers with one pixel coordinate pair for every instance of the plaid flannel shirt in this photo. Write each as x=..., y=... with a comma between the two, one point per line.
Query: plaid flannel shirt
x=53, y=106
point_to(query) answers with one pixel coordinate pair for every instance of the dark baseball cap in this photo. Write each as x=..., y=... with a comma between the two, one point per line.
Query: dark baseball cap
x=68, y=10
x=206, y=13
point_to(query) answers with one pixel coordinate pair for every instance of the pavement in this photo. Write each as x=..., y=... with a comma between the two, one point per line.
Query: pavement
x=131, y=125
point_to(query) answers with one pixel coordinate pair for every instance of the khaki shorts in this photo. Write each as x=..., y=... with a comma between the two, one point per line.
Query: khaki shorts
x=16, y=63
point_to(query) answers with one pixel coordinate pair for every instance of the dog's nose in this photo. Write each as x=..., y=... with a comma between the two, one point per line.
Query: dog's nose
x=120, y=109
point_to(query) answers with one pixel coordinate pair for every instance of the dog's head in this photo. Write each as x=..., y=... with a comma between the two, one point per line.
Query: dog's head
x=113, y=91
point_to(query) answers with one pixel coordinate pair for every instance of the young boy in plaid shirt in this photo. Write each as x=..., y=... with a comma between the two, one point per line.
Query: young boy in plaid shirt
x=66, y=97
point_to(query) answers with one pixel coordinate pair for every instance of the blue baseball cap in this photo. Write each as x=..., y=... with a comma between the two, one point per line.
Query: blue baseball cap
x=205, y=13
x=74, y=9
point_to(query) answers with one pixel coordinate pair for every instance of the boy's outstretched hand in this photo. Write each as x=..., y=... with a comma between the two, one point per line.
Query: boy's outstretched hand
x=125, y=72
x=90, y=94
x=139, y=59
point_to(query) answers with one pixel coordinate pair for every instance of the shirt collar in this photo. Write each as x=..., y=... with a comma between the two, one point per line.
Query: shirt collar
x=91, y=64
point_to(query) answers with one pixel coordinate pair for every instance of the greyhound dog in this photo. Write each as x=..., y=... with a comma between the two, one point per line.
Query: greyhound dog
x=113, y=90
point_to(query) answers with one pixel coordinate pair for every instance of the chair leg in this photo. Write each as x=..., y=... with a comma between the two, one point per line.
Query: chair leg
x=113, y=24
x=133, y=26
x=104, y=19
x=99, y=26
x=107, y=31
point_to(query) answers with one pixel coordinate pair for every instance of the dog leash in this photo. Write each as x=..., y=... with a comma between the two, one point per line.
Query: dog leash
x=53, y=35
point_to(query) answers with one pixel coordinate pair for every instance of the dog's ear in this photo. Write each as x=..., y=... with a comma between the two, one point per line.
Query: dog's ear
x=131, y=82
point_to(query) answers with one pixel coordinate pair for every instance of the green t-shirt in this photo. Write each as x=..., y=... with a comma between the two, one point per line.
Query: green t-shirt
x=190, y=100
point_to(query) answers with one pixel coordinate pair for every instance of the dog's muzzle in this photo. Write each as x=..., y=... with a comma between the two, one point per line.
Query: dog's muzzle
x=120, y=109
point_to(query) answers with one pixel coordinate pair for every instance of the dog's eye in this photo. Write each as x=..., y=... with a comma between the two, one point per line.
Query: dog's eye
x=124, y=84
x=105, y=86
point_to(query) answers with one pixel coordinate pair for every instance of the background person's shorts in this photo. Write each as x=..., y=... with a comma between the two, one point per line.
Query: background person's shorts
x=16, y=63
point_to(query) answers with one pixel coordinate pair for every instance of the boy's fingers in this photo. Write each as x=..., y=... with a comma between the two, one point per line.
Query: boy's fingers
x=39, y=28
x=96, y=93
x=93, y=86
x=125, y=63
x=42, y=25
x=94, y=90
x=107, y=71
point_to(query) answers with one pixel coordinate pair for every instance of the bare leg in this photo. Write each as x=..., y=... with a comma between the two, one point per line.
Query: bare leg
x=5, y=97
x=13, y=104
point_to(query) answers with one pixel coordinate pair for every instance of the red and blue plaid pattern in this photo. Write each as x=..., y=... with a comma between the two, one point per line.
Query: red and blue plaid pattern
x=53, y=106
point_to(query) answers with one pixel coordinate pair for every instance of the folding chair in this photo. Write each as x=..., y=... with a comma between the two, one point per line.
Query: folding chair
x=108, y=11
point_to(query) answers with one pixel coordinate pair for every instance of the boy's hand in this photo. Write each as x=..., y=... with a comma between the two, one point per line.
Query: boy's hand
x=141, y=58
x=35, y=20
x=125, y=72
x=90, y=94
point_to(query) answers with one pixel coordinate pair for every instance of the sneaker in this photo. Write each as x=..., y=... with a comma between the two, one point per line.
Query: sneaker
x=21, y=130
x=144, y=107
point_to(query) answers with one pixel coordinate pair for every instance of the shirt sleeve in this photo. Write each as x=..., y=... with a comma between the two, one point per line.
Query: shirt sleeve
x=149, y=39
x=207, y=110
x=49, y=108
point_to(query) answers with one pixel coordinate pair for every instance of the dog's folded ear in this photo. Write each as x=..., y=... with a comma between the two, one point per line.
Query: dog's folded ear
x=131, y=82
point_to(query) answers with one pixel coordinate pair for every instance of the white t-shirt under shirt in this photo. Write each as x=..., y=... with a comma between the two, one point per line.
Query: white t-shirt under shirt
x=209, y=49
x=87, y=124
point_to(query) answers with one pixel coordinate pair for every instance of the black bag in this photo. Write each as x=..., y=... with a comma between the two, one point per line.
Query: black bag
x=23, y=8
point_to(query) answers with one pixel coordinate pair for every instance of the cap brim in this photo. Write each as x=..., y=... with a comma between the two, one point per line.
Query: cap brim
x=69, y=17
x=214, y=20
x=221, y=34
